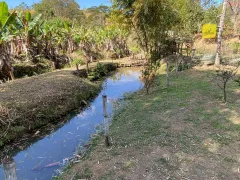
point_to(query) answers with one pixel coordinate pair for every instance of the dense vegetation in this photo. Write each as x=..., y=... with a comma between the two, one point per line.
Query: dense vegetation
x=27, y=37
x=56, y=34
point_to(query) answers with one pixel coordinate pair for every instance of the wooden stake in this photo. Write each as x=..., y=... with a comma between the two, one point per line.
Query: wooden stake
x=77, y=67
x=53, y=66
x=11, y=75
x=177, y=65
x=87, y=67
x=106, y=124
x=182, y=65
x=167, y=75
x=9, y=168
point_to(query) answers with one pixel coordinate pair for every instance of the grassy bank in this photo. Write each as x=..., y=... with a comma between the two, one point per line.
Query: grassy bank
x=29, y=107
x=181, y=132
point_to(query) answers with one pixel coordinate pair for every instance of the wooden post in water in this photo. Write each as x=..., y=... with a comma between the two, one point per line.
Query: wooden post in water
x=9, y=168
x=106, y=123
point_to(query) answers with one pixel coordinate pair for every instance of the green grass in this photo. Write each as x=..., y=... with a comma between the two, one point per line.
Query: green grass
x=188, y=121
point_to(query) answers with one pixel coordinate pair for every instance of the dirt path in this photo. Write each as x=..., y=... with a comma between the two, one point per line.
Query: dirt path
x=184, y=132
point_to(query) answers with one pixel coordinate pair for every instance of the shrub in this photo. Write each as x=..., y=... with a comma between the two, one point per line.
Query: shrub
x=77, y=61
x=223, y=75
x=236, y=46
x=101, y=70
x=237, y=79
x=21, y=70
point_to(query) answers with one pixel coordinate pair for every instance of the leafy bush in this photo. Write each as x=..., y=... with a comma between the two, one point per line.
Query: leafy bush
x=148, y=77
x=21, y=70
x=238, y=80
x=236, y=46
x=77, y=61
x=135, y=49
x=101, y=70
x=222, y=77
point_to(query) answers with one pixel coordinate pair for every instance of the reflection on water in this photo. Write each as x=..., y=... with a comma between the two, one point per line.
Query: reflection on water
x=43, y=158
x=9, y=169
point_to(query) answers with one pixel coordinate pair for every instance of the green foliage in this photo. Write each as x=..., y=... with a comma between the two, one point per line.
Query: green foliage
x=56, y=36
x=150, y=21
x=22, y=70
x=116, y=19
x=222, y=78
x=1, y=143
x=59, y=8
x=5, y=17
x=211, y=15
x=18, y=129
x=148, y=77
x=101, y=70
x=77, y=61
x=237, y=80
x=96, y=16
x=236, y=46
x=191, y=16
x=98, y=72
x=135, y=49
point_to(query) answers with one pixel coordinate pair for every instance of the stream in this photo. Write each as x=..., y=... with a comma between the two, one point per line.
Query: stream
x=43, y=159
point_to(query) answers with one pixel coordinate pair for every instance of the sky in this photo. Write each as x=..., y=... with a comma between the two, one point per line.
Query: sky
x=83, y=3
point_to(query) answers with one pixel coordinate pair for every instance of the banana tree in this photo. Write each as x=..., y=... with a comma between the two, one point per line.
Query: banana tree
x=6, y=19
x=28, y=24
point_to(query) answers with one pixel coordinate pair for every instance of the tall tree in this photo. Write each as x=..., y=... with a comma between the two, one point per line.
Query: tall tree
x=59, y=8
x=96, y=15
x=151, y=21
x=221, y=28
x=5, y=61
x=235, y=7
x=191, y=15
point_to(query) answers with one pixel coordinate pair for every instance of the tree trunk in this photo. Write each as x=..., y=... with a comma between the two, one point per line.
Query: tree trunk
x=225, y=92
x=221, y=28
x=6, y=71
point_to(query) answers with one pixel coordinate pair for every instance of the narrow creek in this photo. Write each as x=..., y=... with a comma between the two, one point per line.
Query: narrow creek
x=42, y=159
